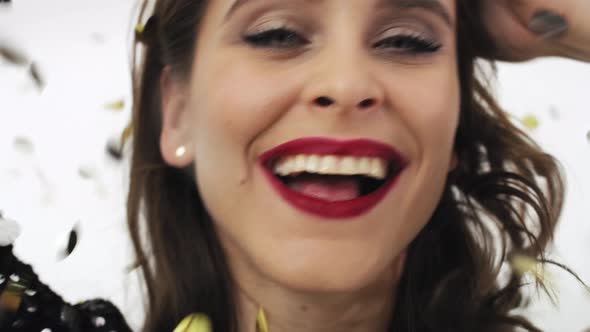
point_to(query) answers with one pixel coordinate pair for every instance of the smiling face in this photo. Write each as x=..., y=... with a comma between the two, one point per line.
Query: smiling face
x=278, y=79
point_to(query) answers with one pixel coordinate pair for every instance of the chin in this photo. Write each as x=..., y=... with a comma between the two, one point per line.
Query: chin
x=339, y=275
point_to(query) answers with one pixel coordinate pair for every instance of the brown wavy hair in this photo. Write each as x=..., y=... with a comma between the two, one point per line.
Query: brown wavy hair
x=504, y=198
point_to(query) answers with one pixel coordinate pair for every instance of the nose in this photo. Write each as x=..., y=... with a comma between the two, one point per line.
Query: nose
x=343, y=84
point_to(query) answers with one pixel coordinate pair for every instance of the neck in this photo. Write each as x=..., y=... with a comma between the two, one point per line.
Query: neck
x=368, y=309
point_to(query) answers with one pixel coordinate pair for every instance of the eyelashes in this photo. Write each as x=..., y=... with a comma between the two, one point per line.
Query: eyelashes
x=276, y=38
x=285, y=39
x=409, y=44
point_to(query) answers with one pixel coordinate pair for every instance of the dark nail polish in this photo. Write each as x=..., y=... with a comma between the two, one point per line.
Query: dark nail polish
x=548, y=24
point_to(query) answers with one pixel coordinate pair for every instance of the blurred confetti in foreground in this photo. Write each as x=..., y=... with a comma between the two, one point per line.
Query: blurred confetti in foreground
x=68, y=243
x=554, y=113
x=18, y=58
x=26, y=148
x=9, y=231
x=117, y=105
x=23, y=145
x=530, y=121
x=114, y=148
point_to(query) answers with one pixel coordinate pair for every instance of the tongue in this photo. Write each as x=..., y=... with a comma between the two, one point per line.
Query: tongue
x=329, y=188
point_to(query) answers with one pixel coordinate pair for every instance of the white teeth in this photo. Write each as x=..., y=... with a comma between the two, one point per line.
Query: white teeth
x=348, y=166
x=328, y=165
x=313, y=164
x=336, y=165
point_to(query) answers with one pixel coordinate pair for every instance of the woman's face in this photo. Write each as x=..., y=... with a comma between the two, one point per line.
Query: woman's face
x=353, y=103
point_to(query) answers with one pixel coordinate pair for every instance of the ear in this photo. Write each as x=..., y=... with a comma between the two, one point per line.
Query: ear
x=175, y=121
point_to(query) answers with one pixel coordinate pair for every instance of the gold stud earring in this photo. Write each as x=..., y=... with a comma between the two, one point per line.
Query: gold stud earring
x=181, y=151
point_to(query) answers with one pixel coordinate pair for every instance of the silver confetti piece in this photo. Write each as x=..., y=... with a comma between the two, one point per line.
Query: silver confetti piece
x=86, y=172
x=554, y=113
x=23, y=145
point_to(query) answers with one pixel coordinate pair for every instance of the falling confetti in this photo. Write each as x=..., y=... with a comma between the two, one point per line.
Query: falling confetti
x=9, y=231
x=523, y=264
x=23, y=145
x=97, y=38
x=86, y=172
x=66, y=246
x=115, y=148
x=72, y=242
x=530, y=122
x=194, y=323
x=554, y=113
x=36, y=75
x=13, y=56
x=261, y=322
x=117, y=105
x=588, y=136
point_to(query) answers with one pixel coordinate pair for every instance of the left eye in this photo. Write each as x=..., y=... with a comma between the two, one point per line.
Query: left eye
x=408, y=44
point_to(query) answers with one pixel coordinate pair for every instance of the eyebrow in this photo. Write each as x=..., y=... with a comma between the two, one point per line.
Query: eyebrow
x=434, y=6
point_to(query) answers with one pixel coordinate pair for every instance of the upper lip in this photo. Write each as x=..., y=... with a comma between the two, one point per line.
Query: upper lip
x=329, y=146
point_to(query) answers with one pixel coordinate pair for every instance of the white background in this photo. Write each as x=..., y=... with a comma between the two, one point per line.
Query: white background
x=82, y=50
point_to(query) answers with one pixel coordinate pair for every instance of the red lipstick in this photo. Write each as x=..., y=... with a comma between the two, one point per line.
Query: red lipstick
x=324, y=146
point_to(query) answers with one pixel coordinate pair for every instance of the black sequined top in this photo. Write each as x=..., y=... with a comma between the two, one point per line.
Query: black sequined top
x=26, y=304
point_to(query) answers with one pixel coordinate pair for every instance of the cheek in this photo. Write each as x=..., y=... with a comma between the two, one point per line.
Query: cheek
x=238, y=100
x=429, y=108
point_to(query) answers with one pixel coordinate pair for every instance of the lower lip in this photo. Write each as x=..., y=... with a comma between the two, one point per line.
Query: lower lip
x=327, y=209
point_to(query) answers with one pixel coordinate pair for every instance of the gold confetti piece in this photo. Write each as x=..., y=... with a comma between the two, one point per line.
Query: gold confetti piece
x=126, y=134
x=261, y=322
x=139, y=28
x=117, y=105
x=523, y=264
x=530, y=121
x=526, y=264
x=194, y=323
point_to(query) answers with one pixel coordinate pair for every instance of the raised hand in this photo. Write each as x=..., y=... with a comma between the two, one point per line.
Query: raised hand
x=526, y=29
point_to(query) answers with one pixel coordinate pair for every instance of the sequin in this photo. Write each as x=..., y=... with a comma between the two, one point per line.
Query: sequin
x=98, y=321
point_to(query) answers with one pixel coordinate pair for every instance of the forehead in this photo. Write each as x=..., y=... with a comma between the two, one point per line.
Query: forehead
x=442, y=8
x=447, y=4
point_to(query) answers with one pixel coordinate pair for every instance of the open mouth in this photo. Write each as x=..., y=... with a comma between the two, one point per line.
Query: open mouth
x=333, y=178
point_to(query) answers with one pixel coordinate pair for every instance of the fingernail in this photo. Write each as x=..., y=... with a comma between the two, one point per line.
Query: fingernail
x=548, y=24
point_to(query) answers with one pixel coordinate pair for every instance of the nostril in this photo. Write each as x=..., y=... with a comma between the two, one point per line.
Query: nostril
x=324, y=101
x=367, y=103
